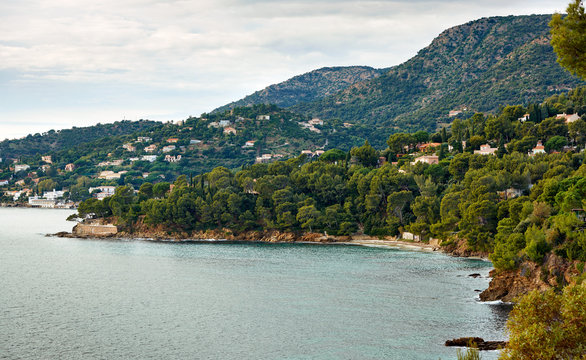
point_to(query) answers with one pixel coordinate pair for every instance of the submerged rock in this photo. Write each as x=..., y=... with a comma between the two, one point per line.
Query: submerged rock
x=477, y=342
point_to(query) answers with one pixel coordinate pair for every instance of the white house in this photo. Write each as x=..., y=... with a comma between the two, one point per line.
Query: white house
x=426, y=159
x=172, y=159
x=168, y=148
x=21, y=167
x=53, y=195
x=316, y=121
x=143, y=139
x=149, y=158
x=150, y=148
x=263, y=117
x=3, y=182
x=486, y=150
x=248, y=144
x=538, y=149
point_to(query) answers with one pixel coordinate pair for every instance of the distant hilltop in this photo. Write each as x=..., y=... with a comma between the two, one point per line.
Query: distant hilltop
x=480, y=66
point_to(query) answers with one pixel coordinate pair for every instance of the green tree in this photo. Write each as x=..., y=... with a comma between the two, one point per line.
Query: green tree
x=568, y=38
x=548, y=326
x=366, y=155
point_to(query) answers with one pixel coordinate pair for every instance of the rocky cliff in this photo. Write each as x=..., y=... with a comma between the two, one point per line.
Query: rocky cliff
x=508, y=285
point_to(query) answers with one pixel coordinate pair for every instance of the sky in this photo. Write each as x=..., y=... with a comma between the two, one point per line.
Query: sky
x=66, y=63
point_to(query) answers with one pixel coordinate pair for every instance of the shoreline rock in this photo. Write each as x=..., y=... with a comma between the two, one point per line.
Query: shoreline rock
x=477, y=342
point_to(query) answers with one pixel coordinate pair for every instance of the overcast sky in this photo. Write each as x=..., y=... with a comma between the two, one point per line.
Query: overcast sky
x=67, y=63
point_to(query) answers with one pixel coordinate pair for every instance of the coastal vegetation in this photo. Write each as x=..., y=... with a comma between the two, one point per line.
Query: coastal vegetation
x=518, y=202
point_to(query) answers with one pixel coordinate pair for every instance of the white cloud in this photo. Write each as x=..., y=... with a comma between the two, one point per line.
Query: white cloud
x=195, y=55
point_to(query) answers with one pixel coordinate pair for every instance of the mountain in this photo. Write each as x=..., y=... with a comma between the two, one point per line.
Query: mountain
x=41, y=144
x=308, y=87
x=479, y=66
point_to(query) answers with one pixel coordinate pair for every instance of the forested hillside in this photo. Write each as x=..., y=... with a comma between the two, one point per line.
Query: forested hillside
x=512, y=185
x=475, y=67
x=307, y=87
x=55, y=140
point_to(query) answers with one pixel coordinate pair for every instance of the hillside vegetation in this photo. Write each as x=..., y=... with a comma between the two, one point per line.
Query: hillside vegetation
x=307, y=87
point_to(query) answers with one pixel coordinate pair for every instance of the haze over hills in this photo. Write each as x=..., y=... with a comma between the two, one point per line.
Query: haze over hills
x=480, y=65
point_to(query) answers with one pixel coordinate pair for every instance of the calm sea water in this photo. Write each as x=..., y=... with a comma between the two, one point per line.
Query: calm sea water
x=97, y=299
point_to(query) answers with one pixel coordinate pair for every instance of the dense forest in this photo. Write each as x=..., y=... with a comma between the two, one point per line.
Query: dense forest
x=516, y=204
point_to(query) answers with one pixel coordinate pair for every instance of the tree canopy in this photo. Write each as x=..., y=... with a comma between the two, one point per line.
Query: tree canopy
x=569, y=38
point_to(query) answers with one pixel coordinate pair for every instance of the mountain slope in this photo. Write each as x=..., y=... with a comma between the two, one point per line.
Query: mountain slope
x=480, y=65
x=40, y=144
x=307, y=87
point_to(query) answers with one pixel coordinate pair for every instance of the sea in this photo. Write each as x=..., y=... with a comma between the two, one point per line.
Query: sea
x=64, y=298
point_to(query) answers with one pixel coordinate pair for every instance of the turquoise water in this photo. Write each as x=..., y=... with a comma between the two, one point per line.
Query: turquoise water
x=97, y=299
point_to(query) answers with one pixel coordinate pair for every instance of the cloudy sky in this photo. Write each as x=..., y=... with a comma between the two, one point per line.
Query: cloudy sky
x=67, y=63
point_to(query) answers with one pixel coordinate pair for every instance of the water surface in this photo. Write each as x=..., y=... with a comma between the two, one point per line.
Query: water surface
x=99, y=299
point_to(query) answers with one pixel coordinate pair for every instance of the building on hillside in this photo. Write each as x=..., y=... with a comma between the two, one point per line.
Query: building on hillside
x=426, y=146
x=307, y=152
x=229, y=130
x=410, y=236
x=248, y=144
x=70, y=167
x=21, y=167
x=224, y=123
x=111, y=163
x=53, y=195
x=486, y=150
x=454, y=113
x=194, y=141
x=168, y=148
x=172, y=159
x=150, y=148
x=111, y=175
x=316, y=121
x=263, y=117
x=265, y=158
x=538, y=149
x=144, y=139
x=4, y=182
x=110, y=190
x=568, y=118
x=129, y=147
x=172, y=140
x=149, y=158
x=318, y=152
x=47, y=158
x=426, y=159
x=524, y=118
x=348, y=125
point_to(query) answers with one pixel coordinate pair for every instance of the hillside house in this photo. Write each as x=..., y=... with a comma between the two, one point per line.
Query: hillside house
x=172, y=159
x=194, y=141
x=172, y=140
x=168, y=148
x=53, y=195
x=150, y=148
x=4, y=182
x=316, y=121
x=538, y=149
x=214, y=124
x=426, y=159
x=348, y=125
x=568, y=118
x=524, y=118
x=47, y=158
x=129, y=147
x=111, y=163
x=224, y=123
x=454, y=113
x=263, y=117
x=149, y=158
x=21, y=167
x=248, y=144
x=70, y=167
x=265, y=158
x=229, y=130
x=142, y=139
x=486, y=150
x=111, y=175
x=425, y=147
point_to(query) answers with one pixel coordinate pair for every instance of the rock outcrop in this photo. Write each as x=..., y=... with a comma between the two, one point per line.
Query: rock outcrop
x=508, y=285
